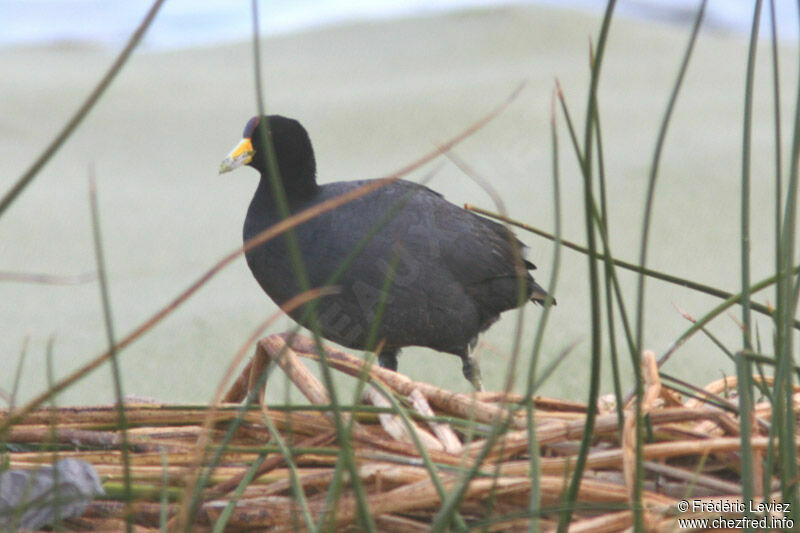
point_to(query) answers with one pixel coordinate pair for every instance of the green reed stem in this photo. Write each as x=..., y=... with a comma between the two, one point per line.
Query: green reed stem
x=111, y=338
x=225, y=515
x=534, y=501
x=571, y=495
x=745, y=193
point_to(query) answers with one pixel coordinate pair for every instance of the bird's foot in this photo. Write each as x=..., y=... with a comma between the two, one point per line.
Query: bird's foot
x=472, y=372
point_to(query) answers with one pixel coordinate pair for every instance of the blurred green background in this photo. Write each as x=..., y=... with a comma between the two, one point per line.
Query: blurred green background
x=374, y=96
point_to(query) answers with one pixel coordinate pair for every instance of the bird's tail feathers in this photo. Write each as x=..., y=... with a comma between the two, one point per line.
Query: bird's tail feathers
x=539, y=295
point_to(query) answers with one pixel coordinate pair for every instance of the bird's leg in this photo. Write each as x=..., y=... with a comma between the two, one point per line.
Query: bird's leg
x=388, y=359
x=469, y=365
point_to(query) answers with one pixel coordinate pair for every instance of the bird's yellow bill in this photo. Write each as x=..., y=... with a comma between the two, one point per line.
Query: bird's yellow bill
x=241, y=155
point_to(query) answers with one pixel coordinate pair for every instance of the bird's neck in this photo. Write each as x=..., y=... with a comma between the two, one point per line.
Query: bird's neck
x=295, y=190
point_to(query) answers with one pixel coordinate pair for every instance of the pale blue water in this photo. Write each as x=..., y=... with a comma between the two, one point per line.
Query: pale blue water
x=188, y=23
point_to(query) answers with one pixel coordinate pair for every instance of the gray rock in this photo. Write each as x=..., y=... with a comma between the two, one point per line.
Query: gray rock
x=31, y=499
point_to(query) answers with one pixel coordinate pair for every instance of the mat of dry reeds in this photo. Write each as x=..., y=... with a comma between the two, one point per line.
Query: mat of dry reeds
x=691, y=451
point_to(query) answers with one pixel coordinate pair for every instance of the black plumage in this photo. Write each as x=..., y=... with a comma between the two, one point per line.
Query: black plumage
x=453, y=272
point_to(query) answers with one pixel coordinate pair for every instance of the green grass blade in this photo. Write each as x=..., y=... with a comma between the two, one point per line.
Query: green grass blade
x=534, y=501
x=571, y=495
x=654, y=167
x=640, y=298
x=111, y=338
x=163, y=515
x=649, y=272
x=222, y=521
x=745, y=390
x=747, y=129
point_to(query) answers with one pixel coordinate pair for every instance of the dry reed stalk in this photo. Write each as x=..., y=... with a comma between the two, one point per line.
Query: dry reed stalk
x=604, y=523
x=151, y=416
x=238, y=389
x=727, y=386
x=598, y=492
x=271, y=463
x=413, y=496
x=383, y=447
x=464, y=405
x=394, y=425
x=398, y=524
x=632, y=421
x=443, y=432
x=695, y=478
x=275, y=349
x=546, y=404
x=680, y=460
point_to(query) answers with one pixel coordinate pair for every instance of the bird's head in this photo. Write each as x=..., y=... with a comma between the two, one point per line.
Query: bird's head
x=293, y=153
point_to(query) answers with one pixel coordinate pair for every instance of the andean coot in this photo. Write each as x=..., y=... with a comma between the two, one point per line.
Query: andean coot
x=453, y=272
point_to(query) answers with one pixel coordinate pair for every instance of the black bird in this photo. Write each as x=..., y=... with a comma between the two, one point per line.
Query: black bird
x=449, y=272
